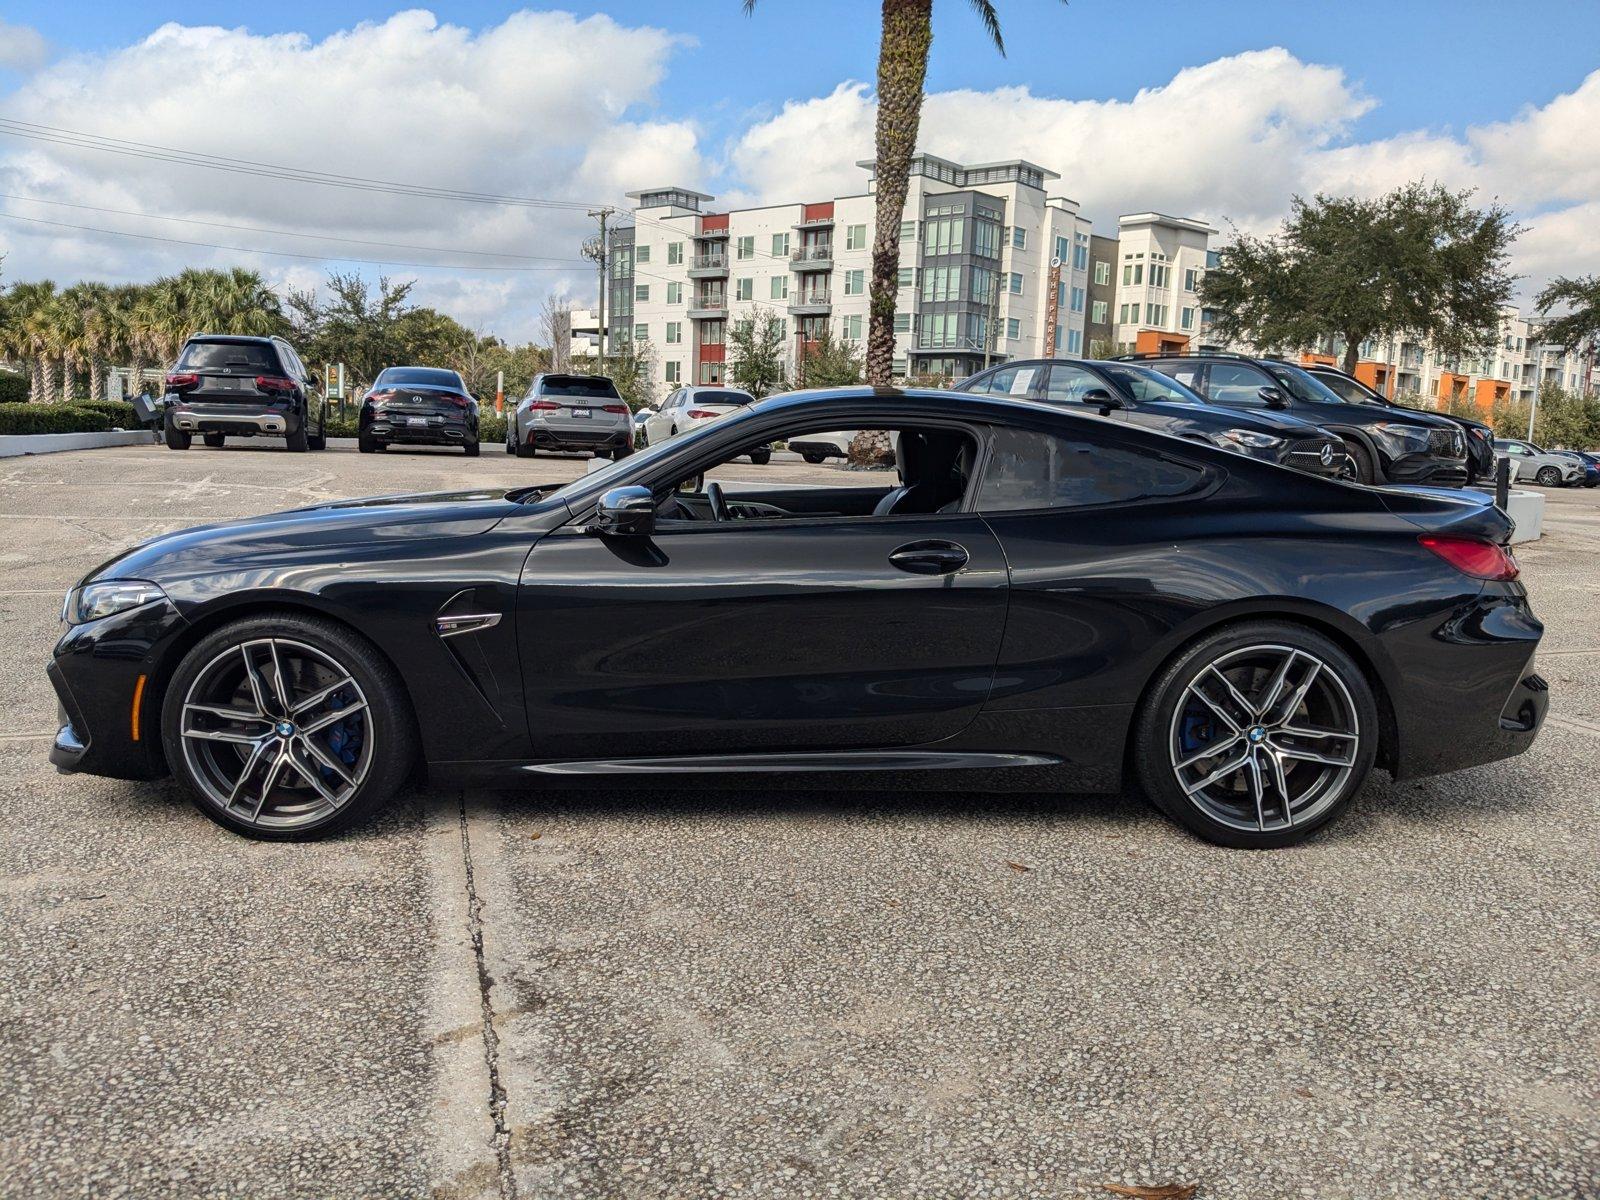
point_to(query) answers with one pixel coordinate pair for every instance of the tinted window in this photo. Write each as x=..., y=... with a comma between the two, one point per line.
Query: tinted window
x=1070, y=384
x=1036, y=470
x=1346, y=389
x=427, y=376
x=1303, y=385
x=1012, y=381
x=1146, y=384
x=1235, y=383
x=577, y=385
x=229, y=358
x=1186, y=373
x=723, y=398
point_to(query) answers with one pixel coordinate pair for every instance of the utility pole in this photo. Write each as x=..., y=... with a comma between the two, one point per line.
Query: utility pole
x=1538, y=374
x=599, y=250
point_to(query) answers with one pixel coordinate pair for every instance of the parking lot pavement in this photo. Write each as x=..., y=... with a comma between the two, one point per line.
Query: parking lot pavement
x=727, y=993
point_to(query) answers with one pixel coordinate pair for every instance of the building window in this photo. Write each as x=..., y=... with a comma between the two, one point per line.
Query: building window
x=744, y=289
x=711, y=333
x=852, y=327
x=1191, y=279
x=1158, y=275
x=946, y=237
x=908, y=231
x=780, y=287
x=941, y=283
x=855, y=237
x=1077, y=299
x=1075, y=341
x=1080, y=258
x=641, y=333
x=854, y=282
x=1019, y=238
x=1155, y=314
x=1102, y=273
x=641, y=292
x=904, y=278
x=902, y=322
x=898, y=367
x=674, y=253
x=1186, y=319
x=674, y=293
x=1013, y=328
x=1016, y=284
x=674, y=372
x=780, y=245
x=1097, y=312
x=674, y=332
x=641, y=254
x=746, y=247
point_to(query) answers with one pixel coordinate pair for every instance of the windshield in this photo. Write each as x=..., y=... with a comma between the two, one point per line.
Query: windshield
x=426, y=376
x=597, y=481
x=578, y=385
x=1148, y=384
x=231, y=358
x=1302, y=385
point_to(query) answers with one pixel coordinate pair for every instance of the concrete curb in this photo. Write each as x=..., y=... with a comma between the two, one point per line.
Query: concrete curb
x=18, y=444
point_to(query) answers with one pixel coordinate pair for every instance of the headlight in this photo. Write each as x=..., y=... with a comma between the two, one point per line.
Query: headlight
x=96, y=600
x=1408, y=437
x=1246, y=440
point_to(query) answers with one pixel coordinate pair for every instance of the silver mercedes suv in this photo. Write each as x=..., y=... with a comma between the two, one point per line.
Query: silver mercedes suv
x=570, y=413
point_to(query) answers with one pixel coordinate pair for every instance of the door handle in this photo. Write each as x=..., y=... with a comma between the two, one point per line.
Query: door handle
x=929, y=558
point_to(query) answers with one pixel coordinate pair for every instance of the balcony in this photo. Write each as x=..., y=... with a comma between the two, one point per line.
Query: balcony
x=811, y=304
x=812, y=258
x=708, y=266
x=816, y=223
x=708, y=308
x=712, y=235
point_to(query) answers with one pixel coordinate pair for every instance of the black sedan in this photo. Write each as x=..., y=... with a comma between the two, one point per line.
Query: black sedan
x=1040, y=600
x=418, y=406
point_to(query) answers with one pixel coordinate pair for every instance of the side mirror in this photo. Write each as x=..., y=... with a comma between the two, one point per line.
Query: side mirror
x=1101, y=398
x=1272, y=397
x=626, y=510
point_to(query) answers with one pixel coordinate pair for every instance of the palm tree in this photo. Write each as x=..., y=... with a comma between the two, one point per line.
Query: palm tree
x=18, y=324
x=902, y=70
x=38, y=326
x=89, y=342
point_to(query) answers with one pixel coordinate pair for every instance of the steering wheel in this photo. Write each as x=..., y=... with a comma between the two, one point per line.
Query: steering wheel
x=719, y=505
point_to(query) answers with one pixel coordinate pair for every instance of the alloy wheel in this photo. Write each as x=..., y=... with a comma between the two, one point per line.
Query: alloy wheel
x=1265, y=738
x=276, y=733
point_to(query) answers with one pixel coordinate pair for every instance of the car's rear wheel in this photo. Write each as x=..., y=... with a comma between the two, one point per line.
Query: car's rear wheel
x=215, y=440
x=287, y=727
x=761, y=457
x=1547, y=477
x=177, y=439
x=812, y=457
x=620, y=453
x=471, y=448
x=298, y=441
x=1256, y=735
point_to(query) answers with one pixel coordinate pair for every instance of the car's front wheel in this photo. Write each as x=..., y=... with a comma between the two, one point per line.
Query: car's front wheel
x=1548, y=477
x=287, y=726
x=1256, y=735
x=1358, y=464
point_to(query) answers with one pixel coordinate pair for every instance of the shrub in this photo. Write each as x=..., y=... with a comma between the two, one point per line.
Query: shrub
x=119, y=412
x=13, y=388
x=51, y=418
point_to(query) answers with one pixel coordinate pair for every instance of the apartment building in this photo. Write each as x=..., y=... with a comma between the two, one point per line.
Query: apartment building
x=979, y=247
x=1157, y=271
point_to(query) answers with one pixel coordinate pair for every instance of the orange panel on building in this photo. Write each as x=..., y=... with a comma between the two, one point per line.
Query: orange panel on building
x=1156, y=341
x=1488, y=391
x=1375, y=375
x=712, y=222
x=816, y=212
x=1318, y=360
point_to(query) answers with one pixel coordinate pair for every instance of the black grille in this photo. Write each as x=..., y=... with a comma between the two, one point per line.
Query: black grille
x=1448, y=442
x=1306, y=454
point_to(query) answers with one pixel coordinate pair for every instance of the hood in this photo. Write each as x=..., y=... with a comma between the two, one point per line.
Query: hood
x=317, y=528
x=1273, y=421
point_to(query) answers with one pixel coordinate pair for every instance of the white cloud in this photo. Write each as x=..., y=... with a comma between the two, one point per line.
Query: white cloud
x=1231, y=140
x=519, y=108
x=22, y=48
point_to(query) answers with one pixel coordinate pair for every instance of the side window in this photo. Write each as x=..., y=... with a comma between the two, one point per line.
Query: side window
x=1028, y=470
x=980, y=386
x=1012, y=381
x=1236, y=383
x=1068, y=385
x=1186, y=373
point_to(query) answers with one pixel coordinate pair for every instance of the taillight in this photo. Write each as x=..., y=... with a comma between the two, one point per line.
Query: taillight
x=702, y=413
x=614, y=408
x=458, y=401
x=1473, y=556
x=543, y=406
x=180, y=381
x=381, y=397
x=274, y=383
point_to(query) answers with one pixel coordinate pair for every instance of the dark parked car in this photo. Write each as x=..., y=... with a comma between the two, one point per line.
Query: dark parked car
x=225, y=386
x=418, y=406
x=1141, y=396
x=570, y=413
x=1384, y=445
x=1480, y=437
x=1039, y=600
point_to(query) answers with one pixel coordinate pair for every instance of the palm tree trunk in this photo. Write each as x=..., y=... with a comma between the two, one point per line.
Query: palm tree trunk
x=66, y=381
x=38, y=389
x=97, y=378
x=47, y=378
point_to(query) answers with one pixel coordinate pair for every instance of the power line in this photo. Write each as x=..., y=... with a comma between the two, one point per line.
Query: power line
x=123, y=212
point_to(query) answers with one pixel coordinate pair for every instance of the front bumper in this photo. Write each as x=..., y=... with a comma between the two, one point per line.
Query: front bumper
x=240, y=420
x=110, y=721
x=1427, y=469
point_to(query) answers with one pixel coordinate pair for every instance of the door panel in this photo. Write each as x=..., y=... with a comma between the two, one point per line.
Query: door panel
x=758, y=636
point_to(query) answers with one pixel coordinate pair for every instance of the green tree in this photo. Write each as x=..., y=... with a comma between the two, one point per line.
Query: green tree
x=830, y=362
x=1420, y=261
x=1580, y=324
x=19, y=331
x=903, y=49
x=755, y=352
x=351, y=322
x=632, y=367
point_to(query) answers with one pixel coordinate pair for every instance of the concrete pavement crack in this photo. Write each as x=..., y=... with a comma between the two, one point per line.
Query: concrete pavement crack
x=491, y=1039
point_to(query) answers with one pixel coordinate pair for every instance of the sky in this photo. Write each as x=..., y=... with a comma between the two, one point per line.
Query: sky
x=1222, y=111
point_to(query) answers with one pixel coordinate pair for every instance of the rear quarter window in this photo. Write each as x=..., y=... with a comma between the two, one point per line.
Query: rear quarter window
x=1028, y=470
x=229, y=358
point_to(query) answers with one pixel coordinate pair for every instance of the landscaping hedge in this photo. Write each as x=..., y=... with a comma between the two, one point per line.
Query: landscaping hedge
x=13, y=388
x=119, y=412
x=51, y=418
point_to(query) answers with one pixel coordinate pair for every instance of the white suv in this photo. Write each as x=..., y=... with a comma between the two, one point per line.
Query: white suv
x=1531, y=464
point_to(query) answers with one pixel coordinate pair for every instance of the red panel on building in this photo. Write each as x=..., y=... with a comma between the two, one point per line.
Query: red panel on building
x=817, y=212
x=713, y=221
x=713, y=353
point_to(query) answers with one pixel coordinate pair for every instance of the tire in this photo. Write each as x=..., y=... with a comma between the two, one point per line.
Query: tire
x=1174, y=726
x=373, y=746
x=367, y=445
x=761, y=457
x=215, y=440
x=1547, y=477
x=319, y=440
x=511, y=434
x=177, y=439
x=521, y=450
x=297, y=442
x=812, y=457
x=471, y=448
x=620, y=453
x=1360, y=463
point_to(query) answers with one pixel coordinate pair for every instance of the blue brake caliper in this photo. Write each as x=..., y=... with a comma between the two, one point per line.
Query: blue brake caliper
x=1196, y=733
x=344, y=739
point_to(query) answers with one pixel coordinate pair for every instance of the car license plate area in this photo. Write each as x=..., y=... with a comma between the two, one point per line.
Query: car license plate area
x=581, y=413
x=416, y=420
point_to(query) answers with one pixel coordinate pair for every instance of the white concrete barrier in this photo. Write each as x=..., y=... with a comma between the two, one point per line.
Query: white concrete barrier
x=15, y=445
x=1527, y=510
